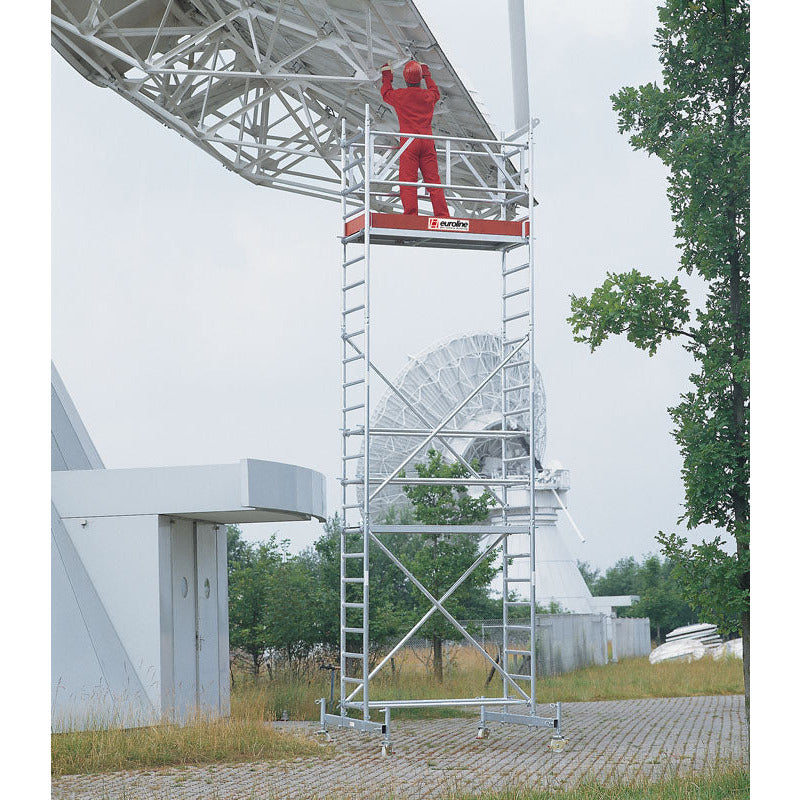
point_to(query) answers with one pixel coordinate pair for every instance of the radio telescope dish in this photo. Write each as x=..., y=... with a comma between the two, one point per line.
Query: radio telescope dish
x=435, y=382
x=263, y=86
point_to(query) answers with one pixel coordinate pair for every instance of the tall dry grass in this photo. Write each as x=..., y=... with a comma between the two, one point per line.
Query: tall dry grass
x=466, y=674
x=242, y=737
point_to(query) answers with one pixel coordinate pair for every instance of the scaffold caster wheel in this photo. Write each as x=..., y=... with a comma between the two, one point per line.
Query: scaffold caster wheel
x=557, y=744
x=483, y=733
x=386, y=748
x=324, y=735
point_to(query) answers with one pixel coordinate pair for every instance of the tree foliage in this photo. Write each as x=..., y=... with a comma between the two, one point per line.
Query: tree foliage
x=276, y=603
x=661, y=598
x=698, y=123
x=250, y=587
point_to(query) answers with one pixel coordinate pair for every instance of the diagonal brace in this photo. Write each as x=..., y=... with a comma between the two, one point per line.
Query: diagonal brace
x=430, y=611
x=447, y=615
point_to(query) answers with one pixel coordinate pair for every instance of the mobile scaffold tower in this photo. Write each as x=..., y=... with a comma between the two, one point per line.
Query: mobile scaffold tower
x=501, y=224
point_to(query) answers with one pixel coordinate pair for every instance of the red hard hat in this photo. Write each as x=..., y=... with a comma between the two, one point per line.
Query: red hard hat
x=412, y=72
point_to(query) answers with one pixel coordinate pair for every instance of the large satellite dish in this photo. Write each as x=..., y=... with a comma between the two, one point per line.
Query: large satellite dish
x=263, y=86
x=437, y=381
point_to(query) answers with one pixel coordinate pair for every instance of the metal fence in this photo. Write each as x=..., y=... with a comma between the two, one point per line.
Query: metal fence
x=566, y=642
x=631, y=636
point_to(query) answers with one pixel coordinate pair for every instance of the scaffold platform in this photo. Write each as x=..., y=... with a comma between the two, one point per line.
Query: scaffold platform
x=453, y=233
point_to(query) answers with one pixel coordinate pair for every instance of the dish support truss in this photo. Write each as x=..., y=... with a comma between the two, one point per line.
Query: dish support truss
x=366, y=164
x=261, y=85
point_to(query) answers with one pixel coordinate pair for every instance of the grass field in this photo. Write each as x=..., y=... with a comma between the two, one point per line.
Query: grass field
x=627, y=680
x=244, y=737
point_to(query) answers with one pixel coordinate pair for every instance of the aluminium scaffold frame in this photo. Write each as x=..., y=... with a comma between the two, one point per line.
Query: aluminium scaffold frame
x=368, y=161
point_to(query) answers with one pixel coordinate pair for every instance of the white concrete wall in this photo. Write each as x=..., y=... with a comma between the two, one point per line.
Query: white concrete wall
x=121, y=557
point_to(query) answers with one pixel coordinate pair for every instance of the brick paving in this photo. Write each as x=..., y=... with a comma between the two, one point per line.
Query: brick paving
x=608, y=740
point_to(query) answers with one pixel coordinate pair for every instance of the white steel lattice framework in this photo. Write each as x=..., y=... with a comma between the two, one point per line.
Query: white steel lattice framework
x=263, y=86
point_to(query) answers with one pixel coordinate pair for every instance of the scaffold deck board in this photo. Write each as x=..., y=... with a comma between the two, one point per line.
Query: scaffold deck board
x=453, y=232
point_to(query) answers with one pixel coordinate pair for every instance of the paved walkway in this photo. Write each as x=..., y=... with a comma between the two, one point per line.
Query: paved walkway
x=626, y=739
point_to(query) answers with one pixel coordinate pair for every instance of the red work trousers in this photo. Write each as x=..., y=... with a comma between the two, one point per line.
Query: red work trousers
x=420, y=156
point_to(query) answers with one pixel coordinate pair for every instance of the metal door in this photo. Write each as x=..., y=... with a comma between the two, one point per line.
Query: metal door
x=184, y=620
x=208, y=672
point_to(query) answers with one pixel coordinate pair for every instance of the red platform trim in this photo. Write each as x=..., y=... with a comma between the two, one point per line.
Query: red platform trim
x=410, y=222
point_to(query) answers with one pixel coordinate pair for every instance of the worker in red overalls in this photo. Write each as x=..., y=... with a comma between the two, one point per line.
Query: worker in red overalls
x=414, y=107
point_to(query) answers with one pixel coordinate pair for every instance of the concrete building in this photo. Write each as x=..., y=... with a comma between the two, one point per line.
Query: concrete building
x=139, y=576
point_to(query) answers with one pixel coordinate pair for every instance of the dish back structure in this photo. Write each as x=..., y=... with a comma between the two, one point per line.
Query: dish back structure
x=263, y=86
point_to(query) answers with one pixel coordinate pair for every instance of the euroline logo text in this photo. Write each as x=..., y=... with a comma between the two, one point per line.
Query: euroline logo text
x=439, y=224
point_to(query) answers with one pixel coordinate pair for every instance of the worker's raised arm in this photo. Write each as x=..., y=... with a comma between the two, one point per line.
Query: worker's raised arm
x=430, y=83
x=386, y=84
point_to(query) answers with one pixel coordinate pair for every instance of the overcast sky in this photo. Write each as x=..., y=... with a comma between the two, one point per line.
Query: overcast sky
x=196, y=317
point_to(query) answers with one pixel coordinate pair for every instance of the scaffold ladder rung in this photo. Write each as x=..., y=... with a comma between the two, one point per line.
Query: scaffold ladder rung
x=347, y=654
x=352, y=261
x=516, y=316
x=353, y=630
x=353, y=605
x=516, y=293
x=353, y=555
x=511, y=271
x=518, y=602
x=352, y=580
x=513, y=652
x=353, y=285
x=359, y=681
x=518, y=676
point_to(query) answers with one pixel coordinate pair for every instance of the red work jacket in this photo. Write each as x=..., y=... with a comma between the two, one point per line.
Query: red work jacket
x=414, y=105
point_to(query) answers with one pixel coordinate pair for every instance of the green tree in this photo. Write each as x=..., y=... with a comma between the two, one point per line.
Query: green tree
x=660, y=596
x=589, y=573
x=250, y=568
x=437, y=561
x=295, y=611
x=698, y=124
x=622, y=578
